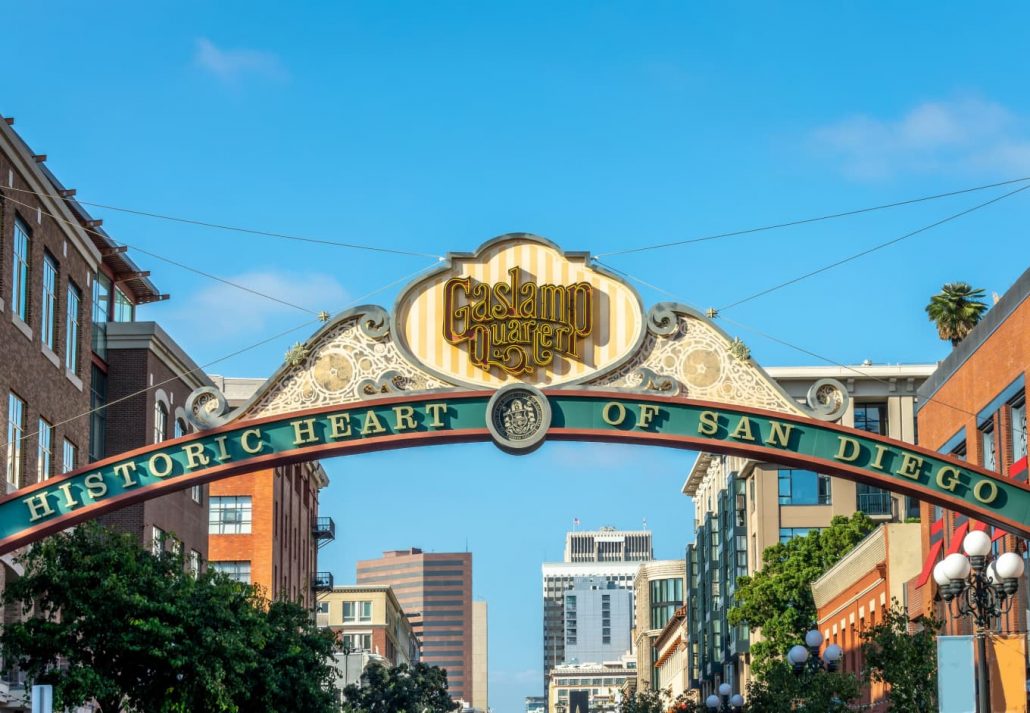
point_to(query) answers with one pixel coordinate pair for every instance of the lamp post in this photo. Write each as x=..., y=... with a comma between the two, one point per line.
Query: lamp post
x=807, y=657
x=977, y=586
x=726, y=701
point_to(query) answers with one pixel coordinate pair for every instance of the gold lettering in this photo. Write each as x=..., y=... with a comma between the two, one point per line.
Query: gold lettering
x=978, y=491
x=223, y=452
x=95, y=486
x=303, y=431
x=245, y=441
x=404, y=417
x=372, y=424
x=843, y=453
x=195, y=456
x=166, y=470
x=709, y=424
x=124, y=469
x=878, y=460
x=39, y=506
x=606, y=413
x=779, y=434
x=69, y=499
x=910, y=466
x=647, y=414
x=948, y=478
x=743, y=430
x=436, y=413
x=339, y=425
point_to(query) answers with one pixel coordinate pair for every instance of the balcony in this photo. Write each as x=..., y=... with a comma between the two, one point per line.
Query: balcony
x=875, y=503
x=323, y=529
x=322, y=582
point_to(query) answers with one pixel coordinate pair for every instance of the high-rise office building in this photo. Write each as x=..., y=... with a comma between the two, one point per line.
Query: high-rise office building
x=608, y=545
x=598, y=620
x=435, y=590
x=610, y=555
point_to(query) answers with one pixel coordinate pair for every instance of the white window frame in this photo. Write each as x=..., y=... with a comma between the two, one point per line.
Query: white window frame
x=73, y=317
x=45, y=454
x=21, y=261
x=16, y=425
x=230, y=514
x=48, y=313
x=69, y=454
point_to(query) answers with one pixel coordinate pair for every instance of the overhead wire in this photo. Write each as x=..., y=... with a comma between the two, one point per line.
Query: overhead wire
x=233, y=228
x=352, y=303
x=170, y=261
x=805, y=221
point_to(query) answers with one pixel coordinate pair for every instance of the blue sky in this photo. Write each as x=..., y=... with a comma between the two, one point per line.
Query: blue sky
x=604, y=126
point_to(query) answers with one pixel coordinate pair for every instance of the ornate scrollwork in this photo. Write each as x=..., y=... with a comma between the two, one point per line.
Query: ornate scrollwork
x=207, y=408
x=644, y=379
x=391, y=382
x=661, y=319
x=827, y=399
x=376, y=323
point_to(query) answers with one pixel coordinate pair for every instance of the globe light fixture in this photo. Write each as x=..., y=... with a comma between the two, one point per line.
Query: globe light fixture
x=725, y=689
x=807, y=658
x=833, y=655
x=981, y=587
x=713, y=702
x=725, y=701
x=797, y=655
x=737, y=700
x=813, y=639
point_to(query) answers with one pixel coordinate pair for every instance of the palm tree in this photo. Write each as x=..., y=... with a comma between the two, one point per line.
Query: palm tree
x=956, y=309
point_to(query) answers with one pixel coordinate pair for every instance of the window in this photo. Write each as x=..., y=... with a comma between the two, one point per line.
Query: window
x=988, y=446
x=239, y=570
x=15, y=433
x=874, y=501
x=101, y=299
x=180, y=428
x=197, y=493
x=69, y=456
x=666, y=597
x=45, y=457
x=1017, y=420
x=124, y=310
x=20, y=263
x=789, y=533
x=194, y=563
x=160, y=422
x=872, y=418
x=157, y=541
x=48, y=316
x=71, y=345
x=360, y=611
x=323, y=607
x=357, y=642
x=804, y=487
x=98, y=413
x=230, y=515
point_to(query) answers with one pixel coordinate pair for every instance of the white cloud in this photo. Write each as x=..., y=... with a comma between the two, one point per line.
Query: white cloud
x=232, y=65
x=950, y=136
x=220, y=311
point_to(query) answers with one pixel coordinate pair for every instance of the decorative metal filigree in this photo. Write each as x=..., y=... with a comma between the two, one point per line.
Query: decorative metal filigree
x=644, y=379
x=296, y=355
x=207, y=408
x=739, y=349
x=827, y=399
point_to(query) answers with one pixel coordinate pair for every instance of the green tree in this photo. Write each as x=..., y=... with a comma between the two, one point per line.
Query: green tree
x=810, y=691
x=955, y=310
x=906, y=662
x=402, y=689
x=644, y=701
x=778, y=598
x=109, y=622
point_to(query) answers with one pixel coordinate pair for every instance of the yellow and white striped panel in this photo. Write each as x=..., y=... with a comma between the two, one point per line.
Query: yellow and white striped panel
x=617, y=320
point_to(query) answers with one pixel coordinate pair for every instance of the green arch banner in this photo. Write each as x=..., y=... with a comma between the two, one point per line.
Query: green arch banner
x=429, y=418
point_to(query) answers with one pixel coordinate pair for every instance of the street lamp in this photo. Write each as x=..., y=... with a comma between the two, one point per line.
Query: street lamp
x=807, y=656
x=725, y=701
x=982, y=588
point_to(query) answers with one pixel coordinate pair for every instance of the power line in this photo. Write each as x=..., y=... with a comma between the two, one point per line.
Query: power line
x=174, y=262
x=204, y=366
x=234, y=228
x=873, y=249
x=805, y=221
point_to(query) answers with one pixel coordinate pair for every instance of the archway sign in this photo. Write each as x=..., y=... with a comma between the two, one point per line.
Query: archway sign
x=518, y=342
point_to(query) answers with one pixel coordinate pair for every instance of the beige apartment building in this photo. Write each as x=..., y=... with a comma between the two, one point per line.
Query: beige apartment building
x=658, y=590
x=367, y=618
x=480, y=656
x=743, y=506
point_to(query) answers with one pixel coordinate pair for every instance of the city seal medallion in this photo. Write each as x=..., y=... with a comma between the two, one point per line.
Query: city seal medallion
x=518, y=417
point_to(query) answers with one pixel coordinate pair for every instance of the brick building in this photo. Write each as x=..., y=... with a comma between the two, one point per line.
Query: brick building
x=368, y=618
x=974, y=407
x=852, y=595
x=435, y=590
x=264, y=526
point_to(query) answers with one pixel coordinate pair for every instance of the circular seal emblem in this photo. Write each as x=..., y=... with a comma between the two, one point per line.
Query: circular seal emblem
x=518, y=417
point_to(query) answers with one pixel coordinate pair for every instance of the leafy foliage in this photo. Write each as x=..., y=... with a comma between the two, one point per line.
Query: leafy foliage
x=906, y=662
x=778, y=598
x=402, y=689
x=956, y=309
x=811, y=691
x=113, y=624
